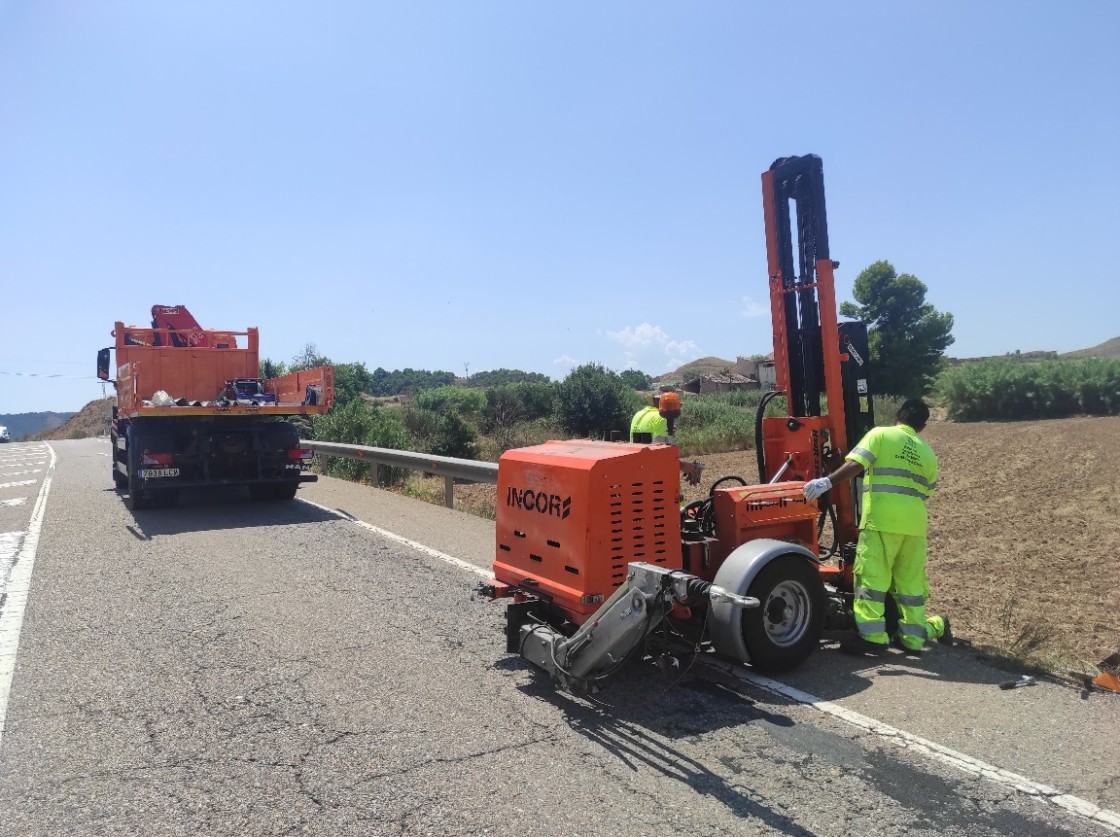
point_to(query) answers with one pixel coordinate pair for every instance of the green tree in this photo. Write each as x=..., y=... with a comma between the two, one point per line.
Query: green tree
x=501, y=377
x=635, y=379
x=272, y=369
x=592, y=400
x=907, y=336
x=309, y=358
x=351, y=381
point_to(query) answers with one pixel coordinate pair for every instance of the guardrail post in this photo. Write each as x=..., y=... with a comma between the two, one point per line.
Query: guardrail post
x=449, y=492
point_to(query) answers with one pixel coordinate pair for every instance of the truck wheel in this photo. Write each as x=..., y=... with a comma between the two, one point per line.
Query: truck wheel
x=272, y=491
x=786, y=629
x=136, y=499
x=119, y=479
x=285, y=491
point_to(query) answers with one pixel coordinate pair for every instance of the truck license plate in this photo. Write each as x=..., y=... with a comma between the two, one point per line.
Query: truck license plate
x=154, y=473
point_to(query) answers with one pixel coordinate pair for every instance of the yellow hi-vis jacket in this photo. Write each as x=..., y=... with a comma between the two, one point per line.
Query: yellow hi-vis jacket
x=900, y=475
x=649, y=420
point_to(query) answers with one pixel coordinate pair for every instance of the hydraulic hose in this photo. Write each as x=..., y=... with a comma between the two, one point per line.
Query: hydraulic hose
x=758, y=416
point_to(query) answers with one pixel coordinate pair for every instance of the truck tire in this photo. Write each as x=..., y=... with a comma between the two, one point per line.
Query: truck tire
x=119, y=479
x=136, y=499
x=272, y=492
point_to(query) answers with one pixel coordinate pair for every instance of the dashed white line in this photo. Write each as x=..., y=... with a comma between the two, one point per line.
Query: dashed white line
x=15, y=501
x=16, y=484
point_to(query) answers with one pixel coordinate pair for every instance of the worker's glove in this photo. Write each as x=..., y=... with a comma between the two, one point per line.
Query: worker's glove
x=815, y=488
x=691, y=471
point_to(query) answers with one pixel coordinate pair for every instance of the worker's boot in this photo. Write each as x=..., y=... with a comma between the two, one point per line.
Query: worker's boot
x=856, y=646
x=896, y=641
x=946, y=637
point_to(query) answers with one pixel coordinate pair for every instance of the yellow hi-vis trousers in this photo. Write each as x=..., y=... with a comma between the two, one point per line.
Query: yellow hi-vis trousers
x=894, y=564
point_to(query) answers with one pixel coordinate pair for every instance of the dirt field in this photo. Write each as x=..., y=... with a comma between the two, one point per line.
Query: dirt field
x=1024, y=535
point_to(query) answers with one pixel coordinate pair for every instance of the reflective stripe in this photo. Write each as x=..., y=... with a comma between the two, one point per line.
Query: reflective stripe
x=865, y=453
x=912, y=630
x=909, y=601
x=870, y=595
x=904, y=474
x=900, y=489
x=871, y=627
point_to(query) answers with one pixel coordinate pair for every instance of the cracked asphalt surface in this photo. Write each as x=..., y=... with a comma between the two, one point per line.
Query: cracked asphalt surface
x=229, y=667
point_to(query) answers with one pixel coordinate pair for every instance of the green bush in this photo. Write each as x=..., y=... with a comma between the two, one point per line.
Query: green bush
x=1005, y=390
x=359, y=424
x=467, y=402
x=454, y=437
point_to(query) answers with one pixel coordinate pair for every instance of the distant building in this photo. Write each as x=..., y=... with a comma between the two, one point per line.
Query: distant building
x=719, y=382
x=760, y=369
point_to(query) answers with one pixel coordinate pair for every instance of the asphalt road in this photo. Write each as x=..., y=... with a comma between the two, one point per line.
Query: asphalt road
x=321, y=667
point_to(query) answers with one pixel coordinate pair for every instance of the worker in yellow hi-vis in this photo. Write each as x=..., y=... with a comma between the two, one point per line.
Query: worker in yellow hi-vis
x=654, y=419
x=900, y=476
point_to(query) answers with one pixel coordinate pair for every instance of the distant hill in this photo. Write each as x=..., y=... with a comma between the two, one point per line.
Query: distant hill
x=29, y=425
x=91, y=420
x=695, y=368
x=1109, y=348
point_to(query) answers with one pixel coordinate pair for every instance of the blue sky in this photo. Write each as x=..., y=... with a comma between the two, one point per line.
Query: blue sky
x=476, y=185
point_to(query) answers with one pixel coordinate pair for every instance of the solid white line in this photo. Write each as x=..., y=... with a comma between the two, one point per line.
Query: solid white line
x=1074, y=805
x=19, y=587
x=393, y=536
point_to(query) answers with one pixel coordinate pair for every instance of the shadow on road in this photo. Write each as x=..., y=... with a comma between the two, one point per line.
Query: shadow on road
x=223, y=508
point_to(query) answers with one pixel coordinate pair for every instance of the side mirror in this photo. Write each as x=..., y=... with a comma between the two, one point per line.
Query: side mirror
x=103, y=364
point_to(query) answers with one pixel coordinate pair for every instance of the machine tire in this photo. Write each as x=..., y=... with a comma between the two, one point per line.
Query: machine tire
x=787, y=628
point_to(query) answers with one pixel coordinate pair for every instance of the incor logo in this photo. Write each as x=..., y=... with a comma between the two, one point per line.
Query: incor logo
x=539, y=501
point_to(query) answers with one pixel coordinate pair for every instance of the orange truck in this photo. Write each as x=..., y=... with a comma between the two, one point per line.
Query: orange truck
x=192, y=411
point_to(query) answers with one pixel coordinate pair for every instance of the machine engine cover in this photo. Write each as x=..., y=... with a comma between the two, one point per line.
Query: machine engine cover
x=571, y=515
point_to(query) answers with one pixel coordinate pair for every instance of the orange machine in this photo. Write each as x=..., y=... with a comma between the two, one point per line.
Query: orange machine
x=179, y=421
x=598, y=559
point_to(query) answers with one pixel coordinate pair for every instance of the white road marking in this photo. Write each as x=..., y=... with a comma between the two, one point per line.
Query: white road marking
x=1044, y=793
x=17, y=501
x=10, y=543
x=18, y=588
x=1073, y=804
x=17, y=484
x=385, y=533
x=20, y=473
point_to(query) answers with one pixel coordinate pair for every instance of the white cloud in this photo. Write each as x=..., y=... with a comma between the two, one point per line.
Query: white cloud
x=650, y=348
x=752, y=308
x=566, y=362
x=637, y=340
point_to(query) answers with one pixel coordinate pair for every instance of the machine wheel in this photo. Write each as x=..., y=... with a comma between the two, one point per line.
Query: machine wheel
x=786, y=629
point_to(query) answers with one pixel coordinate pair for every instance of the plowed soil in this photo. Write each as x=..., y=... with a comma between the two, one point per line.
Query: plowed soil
x=1024, y=552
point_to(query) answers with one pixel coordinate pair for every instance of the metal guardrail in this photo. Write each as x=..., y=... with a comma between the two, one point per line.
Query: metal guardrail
x=449, y=468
